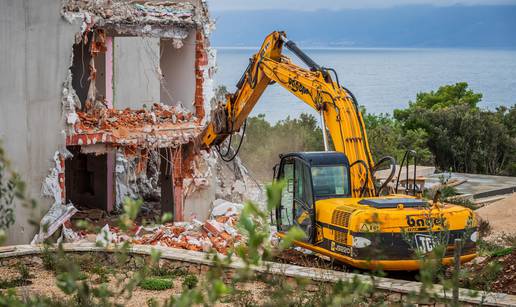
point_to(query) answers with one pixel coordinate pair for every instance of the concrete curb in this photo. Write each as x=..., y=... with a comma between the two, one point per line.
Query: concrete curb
x=403, y=287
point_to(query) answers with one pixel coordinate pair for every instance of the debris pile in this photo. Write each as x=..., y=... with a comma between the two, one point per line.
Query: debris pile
x=218, y=233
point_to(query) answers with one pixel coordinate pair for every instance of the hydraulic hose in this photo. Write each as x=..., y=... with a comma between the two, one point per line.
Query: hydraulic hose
x=224, y=157
x=391, y=175
x=362, y=190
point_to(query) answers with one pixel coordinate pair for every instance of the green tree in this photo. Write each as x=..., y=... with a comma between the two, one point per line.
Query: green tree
x=459, y=134
x=446, y=96
x=387, y=138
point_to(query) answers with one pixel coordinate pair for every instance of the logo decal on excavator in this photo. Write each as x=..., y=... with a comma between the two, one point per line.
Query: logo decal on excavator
x=370, y=227
x=346, y=250
x=424, y=243
x=297, y=86
x=425, y=221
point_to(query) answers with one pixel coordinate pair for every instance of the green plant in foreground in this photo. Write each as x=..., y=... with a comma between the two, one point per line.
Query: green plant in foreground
x=49, y=258
x=190, y=281
x=156, y=283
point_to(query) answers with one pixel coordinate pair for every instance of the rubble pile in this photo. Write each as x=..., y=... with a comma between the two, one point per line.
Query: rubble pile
x=218, y=233
x=108, y=119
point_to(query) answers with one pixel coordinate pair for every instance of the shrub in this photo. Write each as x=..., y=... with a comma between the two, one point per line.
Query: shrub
x=190, y=281
x=156, y=283
x=159, y=271
x=49, y=259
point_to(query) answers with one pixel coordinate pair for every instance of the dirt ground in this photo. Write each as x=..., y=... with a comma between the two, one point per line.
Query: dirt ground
x=506, y=282
x=43, y=282
x=480, y=279
x=501, y=216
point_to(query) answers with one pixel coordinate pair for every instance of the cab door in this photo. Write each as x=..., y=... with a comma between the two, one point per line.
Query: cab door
x=304, y=213
x=297, y=202
x=285, y=211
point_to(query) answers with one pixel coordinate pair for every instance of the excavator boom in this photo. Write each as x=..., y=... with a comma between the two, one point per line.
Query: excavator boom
x=315, y=87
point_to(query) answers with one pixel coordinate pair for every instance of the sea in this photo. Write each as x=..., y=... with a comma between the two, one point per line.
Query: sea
x=384, y=79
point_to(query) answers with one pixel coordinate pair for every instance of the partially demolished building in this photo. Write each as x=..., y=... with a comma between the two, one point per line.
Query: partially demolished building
x=103, y=99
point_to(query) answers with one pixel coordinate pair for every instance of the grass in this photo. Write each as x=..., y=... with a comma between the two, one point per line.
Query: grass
x=156, y=283
x=495, y=250
x=102, y=271
x=448, y=191
x=481, y=279
x=190, y=281
x=13, y=283
x=21, y=280
x=49, y=259
x=502, y=252
x=162, y=278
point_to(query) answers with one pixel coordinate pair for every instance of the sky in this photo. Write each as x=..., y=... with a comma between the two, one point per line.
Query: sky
x=311, y=5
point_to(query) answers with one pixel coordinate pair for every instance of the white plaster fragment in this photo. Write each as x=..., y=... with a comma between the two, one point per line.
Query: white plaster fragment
x=72, y=118
x=50, y=186
x=224, y=207
x=105, y=236
x=52, y=221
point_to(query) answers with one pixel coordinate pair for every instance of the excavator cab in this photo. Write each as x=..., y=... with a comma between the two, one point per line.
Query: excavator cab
x=309, y=177
x=366, y=232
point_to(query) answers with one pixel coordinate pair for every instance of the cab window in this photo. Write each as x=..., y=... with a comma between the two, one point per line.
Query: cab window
x=331, y=181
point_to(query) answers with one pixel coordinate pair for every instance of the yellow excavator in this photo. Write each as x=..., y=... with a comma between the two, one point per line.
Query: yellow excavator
x=333, y=196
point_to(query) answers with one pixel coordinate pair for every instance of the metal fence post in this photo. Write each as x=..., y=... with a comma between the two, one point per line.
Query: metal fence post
x=456, y=263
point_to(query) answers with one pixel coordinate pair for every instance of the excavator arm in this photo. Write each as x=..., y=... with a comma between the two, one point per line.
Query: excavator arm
x=314, y=86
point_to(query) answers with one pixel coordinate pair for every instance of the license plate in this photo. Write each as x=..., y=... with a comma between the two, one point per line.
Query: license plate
x=424, y=243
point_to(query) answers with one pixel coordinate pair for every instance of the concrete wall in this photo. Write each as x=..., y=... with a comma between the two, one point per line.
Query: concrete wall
x=35, y=53
x=178, y=69
x=135, y=76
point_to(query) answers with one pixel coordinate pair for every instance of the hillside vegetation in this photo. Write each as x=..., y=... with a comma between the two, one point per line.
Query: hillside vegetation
x=446, y=127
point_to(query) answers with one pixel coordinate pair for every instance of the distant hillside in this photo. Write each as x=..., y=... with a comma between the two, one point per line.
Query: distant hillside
x=407, y=26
